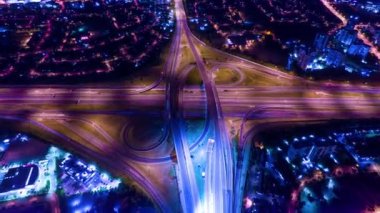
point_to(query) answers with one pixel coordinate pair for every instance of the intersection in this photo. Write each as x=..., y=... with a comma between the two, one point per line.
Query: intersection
x=45, y=110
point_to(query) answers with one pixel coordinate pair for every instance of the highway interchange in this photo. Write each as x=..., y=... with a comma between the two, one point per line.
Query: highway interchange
x=84, y=119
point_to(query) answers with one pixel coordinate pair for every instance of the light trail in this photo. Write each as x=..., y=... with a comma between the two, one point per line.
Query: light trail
x=304, y=101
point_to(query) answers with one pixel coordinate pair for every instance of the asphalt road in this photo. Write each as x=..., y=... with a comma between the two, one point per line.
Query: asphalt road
x=169, y=97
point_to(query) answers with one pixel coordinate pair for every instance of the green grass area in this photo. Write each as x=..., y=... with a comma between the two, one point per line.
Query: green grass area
x=186, y=54
x=255, y=79
x=209, y=54
x=186, y=58
x=144, y=132
x=194, y=78
x=86, y=127
x=112, y=124
x=54, y=124
x=225, y=76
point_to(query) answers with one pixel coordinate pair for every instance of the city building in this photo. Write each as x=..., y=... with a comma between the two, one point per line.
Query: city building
x=345, y=37
x=19, y=178
x=360, y=50
x=309, y=150
x=334, y=58
x=321, y=41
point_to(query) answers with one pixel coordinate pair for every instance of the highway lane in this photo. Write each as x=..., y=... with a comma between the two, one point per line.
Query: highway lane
x=188, y=193
x=242, y=163
x=194, y=100
x=219, y=183
x=232, y=107
x=193, y=107
x=125, y=93
x=304, y=101
x=116, y=94
x=158, y=100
